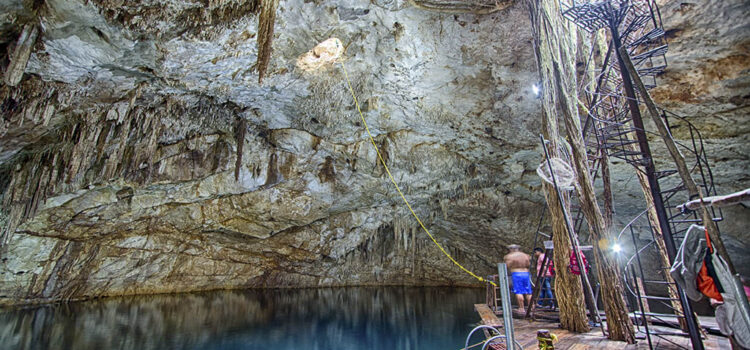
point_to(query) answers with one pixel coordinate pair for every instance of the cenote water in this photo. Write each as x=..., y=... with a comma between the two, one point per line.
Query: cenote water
x=387, y=318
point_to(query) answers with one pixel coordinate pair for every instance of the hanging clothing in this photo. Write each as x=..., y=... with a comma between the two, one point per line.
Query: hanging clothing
x=688, y=262
x=707, y=283
x=708, y=280
x=732, y=320
x=692, y=270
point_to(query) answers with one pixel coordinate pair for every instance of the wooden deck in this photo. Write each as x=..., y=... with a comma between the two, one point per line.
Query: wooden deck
x=525, y=333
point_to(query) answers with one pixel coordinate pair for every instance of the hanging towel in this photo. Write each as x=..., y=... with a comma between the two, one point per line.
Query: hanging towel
x=689, y=261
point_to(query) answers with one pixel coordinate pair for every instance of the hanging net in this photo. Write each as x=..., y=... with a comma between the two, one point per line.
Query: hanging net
x=564, y=174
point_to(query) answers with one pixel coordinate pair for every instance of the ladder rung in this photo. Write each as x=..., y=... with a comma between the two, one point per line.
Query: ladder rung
x=610, y=145
x=619, y=132
x=665, y=173
x=674, y=189
x=686, y=221
x=626, y=153
x=657, y=281
x=650, y=297
x=658, y=314
x=653, y=34
x=661, y=50
x=652, y=70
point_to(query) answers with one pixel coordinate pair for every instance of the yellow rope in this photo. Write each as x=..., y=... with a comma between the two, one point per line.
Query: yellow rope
x=398, y=188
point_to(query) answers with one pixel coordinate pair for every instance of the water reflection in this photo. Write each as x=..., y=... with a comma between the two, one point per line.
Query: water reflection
x=333, y=318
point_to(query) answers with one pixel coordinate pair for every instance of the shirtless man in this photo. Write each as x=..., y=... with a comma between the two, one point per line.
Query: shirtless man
x=518, y=264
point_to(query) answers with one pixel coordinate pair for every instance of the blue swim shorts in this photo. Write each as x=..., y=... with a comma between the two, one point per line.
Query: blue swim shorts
x=521, y=282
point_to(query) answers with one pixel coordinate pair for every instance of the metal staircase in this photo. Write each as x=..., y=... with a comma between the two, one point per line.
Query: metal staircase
x=614, y=127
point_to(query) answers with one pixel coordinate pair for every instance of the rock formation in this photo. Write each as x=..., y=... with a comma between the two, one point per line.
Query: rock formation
x=139, y=153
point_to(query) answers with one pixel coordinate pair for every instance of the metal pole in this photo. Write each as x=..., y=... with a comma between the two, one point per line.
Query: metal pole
x=539, y=225
x=502, y=277
x=661, y=213
x=538, y=286
x=640, y=304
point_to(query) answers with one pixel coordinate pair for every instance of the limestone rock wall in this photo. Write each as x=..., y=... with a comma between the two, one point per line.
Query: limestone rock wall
x=139, y=154
x=124, y=174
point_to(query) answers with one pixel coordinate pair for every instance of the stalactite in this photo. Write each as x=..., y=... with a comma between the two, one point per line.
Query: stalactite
x=413, y=249
x=110, y=141
x=20, y=56
x=444, y=207
x=398, y=228
x=405, y=238
x=266, y=21
x=240, y=135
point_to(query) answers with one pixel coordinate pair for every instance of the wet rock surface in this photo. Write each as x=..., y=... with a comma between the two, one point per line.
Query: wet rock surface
x=139, y=154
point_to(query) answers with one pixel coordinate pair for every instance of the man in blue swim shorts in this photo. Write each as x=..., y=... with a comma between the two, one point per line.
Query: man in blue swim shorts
x=518, y=263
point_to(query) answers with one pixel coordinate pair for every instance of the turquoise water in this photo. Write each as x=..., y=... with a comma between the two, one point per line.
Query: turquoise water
x=378, y=318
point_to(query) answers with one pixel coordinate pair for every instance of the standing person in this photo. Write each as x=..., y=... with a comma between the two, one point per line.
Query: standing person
x=545, y=295
x=518, y=264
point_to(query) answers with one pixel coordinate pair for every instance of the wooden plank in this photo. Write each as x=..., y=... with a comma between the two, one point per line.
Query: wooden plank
x=580, y=346
x=488, y=317
x=526, y=331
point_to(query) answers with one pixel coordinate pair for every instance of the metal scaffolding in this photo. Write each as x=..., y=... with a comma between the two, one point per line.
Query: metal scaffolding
x=614, y=128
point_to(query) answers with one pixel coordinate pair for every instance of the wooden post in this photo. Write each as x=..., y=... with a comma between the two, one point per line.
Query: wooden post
x=561, y=79
x=618, y=321
x=568, y=288
x=609, y=208
x=646, y=308
x=661, y=247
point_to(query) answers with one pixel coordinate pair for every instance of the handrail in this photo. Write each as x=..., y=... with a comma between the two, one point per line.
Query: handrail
x=466, y=346
x=632, y=222
x=487, y=343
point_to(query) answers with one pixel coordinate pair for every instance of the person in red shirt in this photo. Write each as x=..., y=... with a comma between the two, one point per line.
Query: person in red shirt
x=546, y=298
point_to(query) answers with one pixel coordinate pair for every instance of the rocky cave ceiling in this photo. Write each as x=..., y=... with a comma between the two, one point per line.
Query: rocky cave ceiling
x=119, y=147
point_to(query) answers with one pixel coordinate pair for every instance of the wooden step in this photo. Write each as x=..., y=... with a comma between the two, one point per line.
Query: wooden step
x=654, y=34
x=488, y=317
